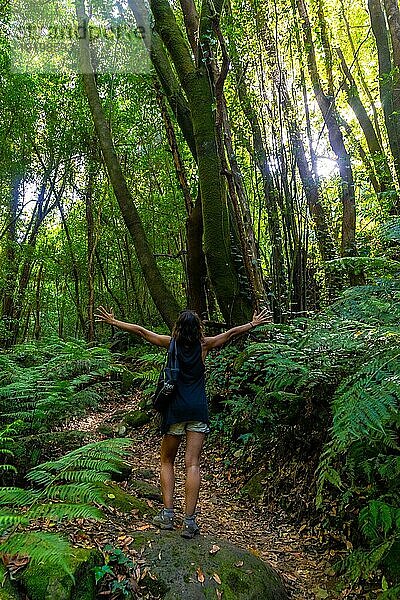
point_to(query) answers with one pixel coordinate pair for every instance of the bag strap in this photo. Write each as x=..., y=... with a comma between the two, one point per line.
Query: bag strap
x=172, y=359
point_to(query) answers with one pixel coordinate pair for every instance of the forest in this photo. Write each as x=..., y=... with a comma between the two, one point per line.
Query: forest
x=223, y=156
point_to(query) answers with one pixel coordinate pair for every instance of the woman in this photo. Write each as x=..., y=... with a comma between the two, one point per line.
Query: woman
x=187, y=412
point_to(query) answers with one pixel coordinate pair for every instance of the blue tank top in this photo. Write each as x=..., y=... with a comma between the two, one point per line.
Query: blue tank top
x=189, y=402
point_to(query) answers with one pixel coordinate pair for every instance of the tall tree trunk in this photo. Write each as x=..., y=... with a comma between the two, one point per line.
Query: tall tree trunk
x=166, y=75
x=114, y=298
x=40, y=211
x=161, y=294
x=196, y=267
x=134, y=287
x=90, y=331
x=38, y=325
x=388, y=80
x=380, y=163
x=11, y=265
x=361, y=75
x=74, y=267
x=329, y=114
x=270, y=194
x=237, y=193
x=196, y=84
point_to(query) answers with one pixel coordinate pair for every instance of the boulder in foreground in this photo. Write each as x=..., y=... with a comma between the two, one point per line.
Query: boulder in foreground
x=196, y=569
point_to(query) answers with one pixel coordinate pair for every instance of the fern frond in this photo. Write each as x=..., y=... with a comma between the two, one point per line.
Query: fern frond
x=87, y=463
x=377, y=519
x=41, y=547
x=8, y=519
x=360, y=563
x=59, y=511
x=393, y=593
x=82, y=492
x=17, y=496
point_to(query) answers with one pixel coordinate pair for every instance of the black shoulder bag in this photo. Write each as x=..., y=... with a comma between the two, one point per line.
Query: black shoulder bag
x=168, y=378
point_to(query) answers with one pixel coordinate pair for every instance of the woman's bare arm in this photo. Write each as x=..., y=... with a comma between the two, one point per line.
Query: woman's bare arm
x=154, y=338
x=219, y=340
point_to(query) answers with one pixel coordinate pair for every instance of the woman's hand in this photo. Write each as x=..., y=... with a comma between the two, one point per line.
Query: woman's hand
x=265, y=316
x=104, y=316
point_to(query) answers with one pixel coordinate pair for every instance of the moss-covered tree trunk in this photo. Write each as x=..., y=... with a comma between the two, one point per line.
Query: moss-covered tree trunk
x=91, y=244
x=216, y=230
x=160, y=293
x=389, y=78
x=196, y=268
x=7, y=293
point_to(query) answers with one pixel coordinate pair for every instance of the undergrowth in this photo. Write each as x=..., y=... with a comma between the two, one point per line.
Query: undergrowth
x=43, y=383
x=71, y=487
x=326, y=391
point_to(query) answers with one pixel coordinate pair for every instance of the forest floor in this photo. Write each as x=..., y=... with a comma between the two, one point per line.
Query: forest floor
x=296, y=554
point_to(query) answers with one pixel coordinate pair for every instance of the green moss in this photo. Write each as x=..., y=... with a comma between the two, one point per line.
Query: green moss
x=117, y=498
x=106, y=430
x=45, y=582
x=7, y=590
x=255, y=487
x=144, y=474
x=128, y=380
x=136, y=418
x=174, y=561
x=146, y=490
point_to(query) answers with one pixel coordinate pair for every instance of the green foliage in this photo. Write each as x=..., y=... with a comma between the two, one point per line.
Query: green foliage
x=42, y=383
x=147, y=367
x=120, y=574
x=339, y=370
x=6, y=441
x=66, y=488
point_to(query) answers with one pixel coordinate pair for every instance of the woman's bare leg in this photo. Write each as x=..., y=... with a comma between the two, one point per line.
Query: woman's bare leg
x=169, y=448
x=194, y=444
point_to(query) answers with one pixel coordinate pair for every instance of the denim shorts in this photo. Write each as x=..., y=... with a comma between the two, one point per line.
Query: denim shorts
x=180, y=428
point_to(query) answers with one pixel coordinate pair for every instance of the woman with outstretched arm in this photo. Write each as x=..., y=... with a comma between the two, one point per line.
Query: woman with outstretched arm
x=187, y=412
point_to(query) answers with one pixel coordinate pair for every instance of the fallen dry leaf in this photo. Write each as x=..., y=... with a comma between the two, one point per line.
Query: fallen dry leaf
x=216, y=578
x=200, y=575
x=143, y=527
x=214, y=549
x=219, y=594
x=239, y=564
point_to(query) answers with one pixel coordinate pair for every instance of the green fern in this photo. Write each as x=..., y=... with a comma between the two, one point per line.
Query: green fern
x=45, y=382
x=41, y=547
x=391, y=594
x=66, y=488
x=7, y=436
x=360, y=564
x=378, y=520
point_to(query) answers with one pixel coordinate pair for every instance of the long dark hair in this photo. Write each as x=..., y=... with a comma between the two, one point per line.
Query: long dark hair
x=188, y=328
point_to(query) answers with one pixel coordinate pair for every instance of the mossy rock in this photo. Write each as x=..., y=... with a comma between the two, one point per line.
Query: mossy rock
x=136, y=418
x=128, y=380
x=177, y=563
x=124, y=475
x=255, y=487
x=106, y=430
x=117, y=498
x=7, y=589
x=46, y=582
x=144, y=474
x=146, y=490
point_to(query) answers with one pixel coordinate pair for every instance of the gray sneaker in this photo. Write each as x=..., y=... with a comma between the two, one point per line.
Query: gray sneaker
x=190, y=529
x=164, y=520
